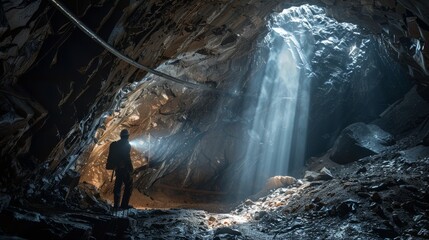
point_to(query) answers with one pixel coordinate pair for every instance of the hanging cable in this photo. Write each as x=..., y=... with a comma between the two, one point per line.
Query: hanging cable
x=112, y=50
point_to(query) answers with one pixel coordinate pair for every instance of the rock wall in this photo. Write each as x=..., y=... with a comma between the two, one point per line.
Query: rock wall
x=60, y=92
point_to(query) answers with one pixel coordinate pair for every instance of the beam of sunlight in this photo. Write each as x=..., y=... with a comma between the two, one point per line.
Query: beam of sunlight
x=279, y=126
x=305, y=50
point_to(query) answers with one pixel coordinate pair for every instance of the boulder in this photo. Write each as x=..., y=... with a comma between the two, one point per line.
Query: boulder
x=278, y=182
x=346, y=207
x=274, y=183
x=360, y=140
x=227, y=230
x=323, y=174
x=415, y=153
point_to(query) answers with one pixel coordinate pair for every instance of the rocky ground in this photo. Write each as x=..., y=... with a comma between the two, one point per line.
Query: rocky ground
x=381, y=196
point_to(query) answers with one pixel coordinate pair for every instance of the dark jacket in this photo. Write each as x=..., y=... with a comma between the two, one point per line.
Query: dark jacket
x=121, y=152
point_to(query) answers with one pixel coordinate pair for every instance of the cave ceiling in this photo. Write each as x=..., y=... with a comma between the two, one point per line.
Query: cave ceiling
x=64, y=97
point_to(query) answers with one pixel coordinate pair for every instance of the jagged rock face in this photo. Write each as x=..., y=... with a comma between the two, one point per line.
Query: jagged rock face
x=358, y=141
x=60, y=91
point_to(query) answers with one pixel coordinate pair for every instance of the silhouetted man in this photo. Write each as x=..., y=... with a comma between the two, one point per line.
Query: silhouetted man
x=120, y=151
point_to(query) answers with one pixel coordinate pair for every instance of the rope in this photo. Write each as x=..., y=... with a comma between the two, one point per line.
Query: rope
x=112, y=50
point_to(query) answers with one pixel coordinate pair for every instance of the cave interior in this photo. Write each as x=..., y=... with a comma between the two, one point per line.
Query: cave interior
x=284, y=119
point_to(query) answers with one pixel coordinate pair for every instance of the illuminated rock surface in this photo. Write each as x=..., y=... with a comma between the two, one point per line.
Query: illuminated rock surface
x=289, y=78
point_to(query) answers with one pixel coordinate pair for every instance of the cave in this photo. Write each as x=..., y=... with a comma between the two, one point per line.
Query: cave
x=281, y=119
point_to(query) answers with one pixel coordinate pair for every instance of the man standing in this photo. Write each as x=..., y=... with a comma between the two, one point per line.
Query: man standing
x=120, y=152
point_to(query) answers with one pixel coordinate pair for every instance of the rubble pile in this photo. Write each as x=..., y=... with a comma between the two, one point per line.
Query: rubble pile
x=380, y=196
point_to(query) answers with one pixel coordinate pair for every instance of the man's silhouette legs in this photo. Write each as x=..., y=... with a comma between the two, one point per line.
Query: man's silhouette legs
x=128, y=182
x=122, y=177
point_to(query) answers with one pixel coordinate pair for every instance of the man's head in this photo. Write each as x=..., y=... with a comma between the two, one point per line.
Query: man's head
x=124, y=134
